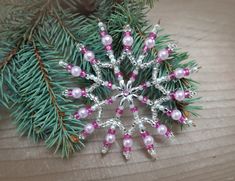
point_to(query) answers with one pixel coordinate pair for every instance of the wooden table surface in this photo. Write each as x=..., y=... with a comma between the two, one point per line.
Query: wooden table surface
x=205, y=28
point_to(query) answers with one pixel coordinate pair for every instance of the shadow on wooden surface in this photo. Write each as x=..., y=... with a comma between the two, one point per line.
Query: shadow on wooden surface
x=206, y=29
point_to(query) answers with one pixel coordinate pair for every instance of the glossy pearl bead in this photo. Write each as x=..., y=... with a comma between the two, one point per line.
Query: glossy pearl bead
x=150, y=43
x=163, y=54
x=162, y=129
x=179, y=95
x=110, y=138
x=148, y=140
x=76, y=71
x=89, y=56
x=89, y=128
x=83, y=112
x=107, y=40
x=77, y=93
x=179, y=73
x=127, y=142
x=176, y=114
x=128, y=41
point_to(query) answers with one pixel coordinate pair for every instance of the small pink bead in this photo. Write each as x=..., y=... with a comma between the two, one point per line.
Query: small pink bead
x=158, y=60
x=170, y=51
x=69, y=67
x=172, y=75
x=127, y=48
x=133, y=75
x=84, y=134
x=108, y=47
x=110, y=85
x=93, y=61
x=89, y=109
x=106, y=144
x=182, y=119
x=152, y=35
x=127, y=136
x=168, y=113
x=186, y=72
x=76, y=115
x=127, y=33
x=103, y=33
x=149, y=147
x=145, y=49
x=144, y=85
x=83, y=50
x=111, y=131
x=95, y=124
x=119, y=111
x=157, y=124
x=187, y=94
x=70, y=93
x=127, y=149
x=118, y=74
x=134, y=109
x=144, y=134
x=83, y=74
x=84, y=93
x=145, y=99
x=168, y=133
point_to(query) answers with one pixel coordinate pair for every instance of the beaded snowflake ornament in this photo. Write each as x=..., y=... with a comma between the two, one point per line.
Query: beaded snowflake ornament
x=126, y=92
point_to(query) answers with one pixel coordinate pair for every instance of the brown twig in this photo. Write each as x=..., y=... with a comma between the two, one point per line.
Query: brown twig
x=49, y=86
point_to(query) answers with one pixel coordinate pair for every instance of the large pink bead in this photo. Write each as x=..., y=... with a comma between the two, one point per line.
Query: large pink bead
x=128, y=41
x=179, y=95
x=107, y=40
x=89, y=56
x=76, y=71
x=127, y=142
x=150, y=43
x=162, y=129
x=163, y=54
x=176, y=115
x=110, y=138
x=83, y=112
x=89, y=128
x=179, y=73
x=148, y=140
x=76, y=93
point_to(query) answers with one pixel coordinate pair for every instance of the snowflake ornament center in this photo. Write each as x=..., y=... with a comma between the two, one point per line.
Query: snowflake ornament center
x=126, y=92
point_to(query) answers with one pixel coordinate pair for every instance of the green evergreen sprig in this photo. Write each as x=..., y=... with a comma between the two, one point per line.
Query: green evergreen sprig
x=31, y=82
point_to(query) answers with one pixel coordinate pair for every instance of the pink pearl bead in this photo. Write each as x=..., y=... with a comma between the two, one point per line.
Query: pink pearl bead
x=89, y=56
x=89, y=128
x=179, y=95
x=150, y=43
x=127, y=142
x=162, y=129
x=76, y=71
x=179, y=73
x=148, y=140
x=76, y=93
x=107, y=40
x=83, y=112
x=110, y=138
x=176, y=114
x=163, y=54
x=128, y=41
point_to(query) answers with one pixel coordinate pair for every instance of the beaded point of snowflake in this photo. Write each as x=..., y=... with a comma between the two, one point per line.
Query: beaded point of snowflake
x=126, y=92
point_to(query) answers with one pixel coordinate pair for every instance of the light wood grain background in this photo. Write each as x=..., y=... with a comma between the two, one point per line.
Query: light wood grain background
x=205, y=28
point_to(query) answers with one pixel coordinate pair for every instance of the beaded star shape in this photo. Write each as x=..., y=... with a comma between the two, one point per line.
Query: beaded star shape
x=125, y=91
